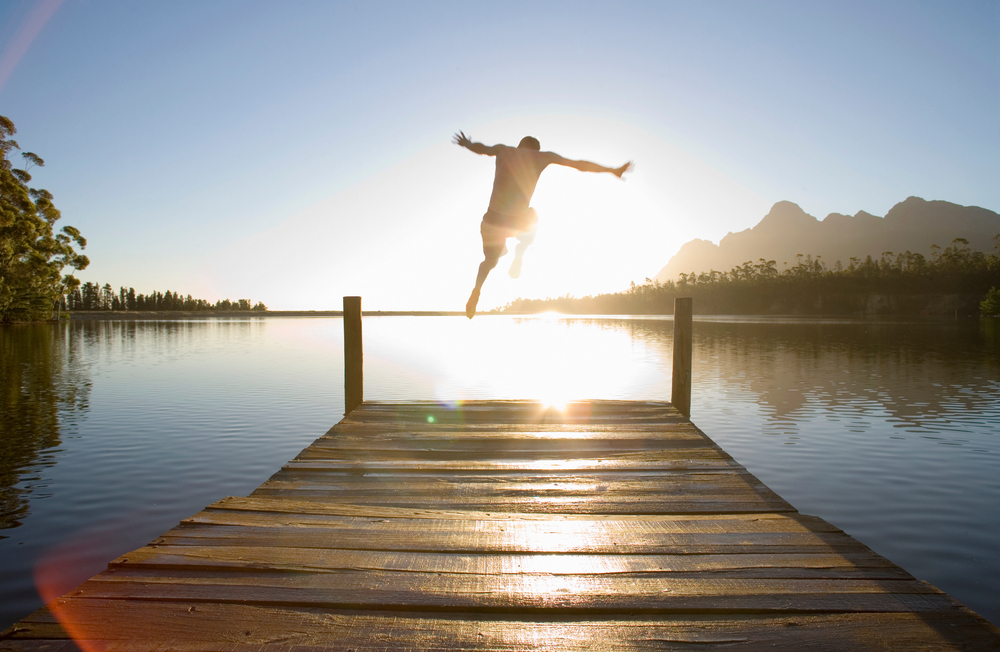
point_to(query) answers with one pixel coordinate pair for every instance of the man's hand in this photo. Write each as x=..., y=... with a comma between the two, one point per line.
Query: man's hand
x=461, y=139
x=618, y=172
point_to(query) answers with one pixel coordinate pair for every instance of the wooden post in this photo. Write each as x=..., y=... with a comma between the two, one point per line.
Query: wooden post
x=680, y=390
x=353, y=360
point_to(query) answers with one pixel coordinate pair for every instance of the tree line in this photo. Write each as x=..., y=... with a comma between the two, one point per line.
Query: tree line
x=93, y=296
x=904, y=283
x=33, y=254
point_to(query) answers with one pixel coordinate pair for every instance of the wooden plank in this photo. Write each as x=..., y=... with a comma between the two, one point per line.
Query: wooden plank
x=512, y=432
x=487, y=418
x=627, y=525
x=516, y=429
x=550, y=484
x=618, y=480
x=593, y=502
x=514, y=409
x=503, y=448
x=568, y=505
x=478, y=593
x=188, y=626
x=544, y=539
x=287, y=505
x=818, y=565
x=514, y=412
x=593, y=491
x=395, y=434
x=665, y=463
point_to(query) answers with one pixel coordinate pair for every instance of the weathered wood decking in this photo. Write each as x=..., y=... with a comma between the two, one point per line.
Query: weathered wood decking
x=501, y=526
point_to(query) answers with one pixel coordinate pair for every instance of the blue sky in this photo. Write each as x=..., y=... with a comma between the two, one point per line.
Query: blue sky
x=296, y=152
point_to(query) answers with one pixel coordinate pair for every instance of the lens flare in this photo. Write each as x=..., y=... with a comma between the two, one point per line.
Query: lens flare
x=65, y=567
x=25, y=36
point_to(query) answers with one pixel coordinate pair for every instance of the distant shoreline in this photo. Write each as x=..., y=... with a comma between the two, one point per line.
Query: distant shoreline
x=153, y=315
x=127, y=315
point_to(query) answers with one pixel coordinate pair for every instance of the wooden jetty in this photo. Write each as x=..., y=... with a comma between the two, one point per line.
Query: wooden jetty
x=503, y=525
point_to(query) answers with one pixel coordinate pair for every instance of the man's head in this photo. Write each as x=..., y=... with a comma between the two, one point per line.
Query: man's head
x=529, y=142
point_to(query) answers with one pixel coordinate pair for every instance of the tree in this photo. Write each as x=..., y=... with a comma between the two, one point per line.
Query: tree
x=990, y=305
x=32, y=254
x=106, y=297
x=89, y=296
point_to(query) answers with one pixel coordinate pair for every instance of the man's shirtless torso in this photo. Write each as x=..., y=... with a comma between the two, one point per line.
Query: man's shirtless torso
x=515, y=180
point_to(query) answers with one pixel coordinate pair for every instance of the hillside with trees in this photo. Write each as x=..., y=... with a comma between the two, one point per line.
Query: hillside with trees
x=914, y=225
x=33, y=253
x=953, y=280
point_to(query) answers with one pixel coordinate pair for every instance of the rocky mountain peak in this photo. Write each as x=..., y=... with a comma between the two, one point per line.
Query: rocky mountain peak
x=786, y=231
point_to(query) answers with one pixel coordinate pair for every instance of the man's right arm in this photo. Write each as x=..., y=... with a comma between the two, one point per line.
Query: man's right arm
x=463, y=140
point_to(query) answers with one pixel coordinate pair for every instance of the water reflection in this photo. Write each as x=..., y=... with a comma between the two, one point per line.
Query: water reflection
x=989, y=330
x=887, y=430
x=44, y=389
x=912, y=374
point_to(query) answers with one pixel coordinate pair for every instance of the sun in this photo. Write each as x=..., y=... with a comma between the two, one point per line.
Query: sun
x=556, y=401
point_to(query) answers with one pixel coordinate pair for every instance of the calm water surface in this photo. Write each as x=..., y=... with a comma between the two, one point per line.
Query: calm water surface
x=112, y=432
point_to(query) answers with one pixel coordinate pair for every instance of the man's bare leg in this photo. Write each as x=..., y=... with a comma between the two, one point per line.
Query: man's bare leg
x=485, y=268
x=523, y=241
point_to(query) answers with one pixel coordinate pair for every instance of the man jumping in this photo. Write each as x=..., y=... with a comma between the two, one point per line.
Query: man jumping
x=509, y=215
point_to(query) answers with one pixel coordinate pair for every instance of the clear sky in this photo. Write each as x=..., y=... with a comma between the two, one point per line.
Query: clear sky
x=295, y=152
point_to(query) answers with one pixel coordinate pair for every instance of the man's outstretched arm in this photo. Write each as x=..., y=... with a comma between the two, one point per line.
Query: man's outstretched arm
x=461, y=139
x=587, y=166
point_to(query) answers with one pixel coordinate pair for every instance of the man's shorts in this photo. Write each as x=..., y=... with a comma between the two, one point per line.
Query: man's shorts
x=497, y=227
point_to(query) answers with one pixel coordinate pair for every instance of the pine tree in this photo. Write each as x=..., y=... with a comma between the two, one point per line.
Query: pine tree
x=106, y=297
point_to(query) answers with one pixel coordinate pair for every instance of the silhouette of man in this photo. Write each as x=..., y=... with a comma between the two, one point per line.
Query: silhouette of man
x=509, y=215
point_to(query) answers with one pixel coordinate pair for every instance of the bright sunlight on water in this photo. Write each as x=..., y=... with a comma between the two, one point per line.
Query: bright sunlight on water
x=114, y=431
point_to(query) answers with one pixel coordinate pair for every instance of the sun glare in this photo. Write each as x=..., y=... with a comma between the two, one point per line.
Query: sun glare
x=546, y=359
x=557, y=401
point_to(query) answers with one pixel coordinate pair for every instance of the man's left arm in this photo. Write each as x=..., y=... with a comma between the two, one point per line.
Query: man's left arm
x=586, y=166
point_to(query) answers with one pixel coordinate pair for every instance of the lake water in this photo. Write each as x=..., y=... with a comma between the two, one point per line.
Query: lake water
x=113, y=431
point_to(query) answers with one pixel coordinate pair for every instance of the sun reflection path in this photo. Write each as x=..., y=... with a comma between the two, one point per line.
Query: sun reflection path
x=551, y=536
x=548, y=358
x=554, y=577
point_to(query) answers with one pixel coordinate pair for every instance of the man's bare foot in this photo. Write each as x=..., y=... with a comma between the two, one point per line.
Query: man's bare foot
x=515, y=267
x=470, y=307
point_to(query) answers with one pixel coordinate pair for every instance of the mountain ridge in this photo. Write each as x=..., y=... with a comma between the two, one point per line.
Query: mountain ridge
x=786, y=231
